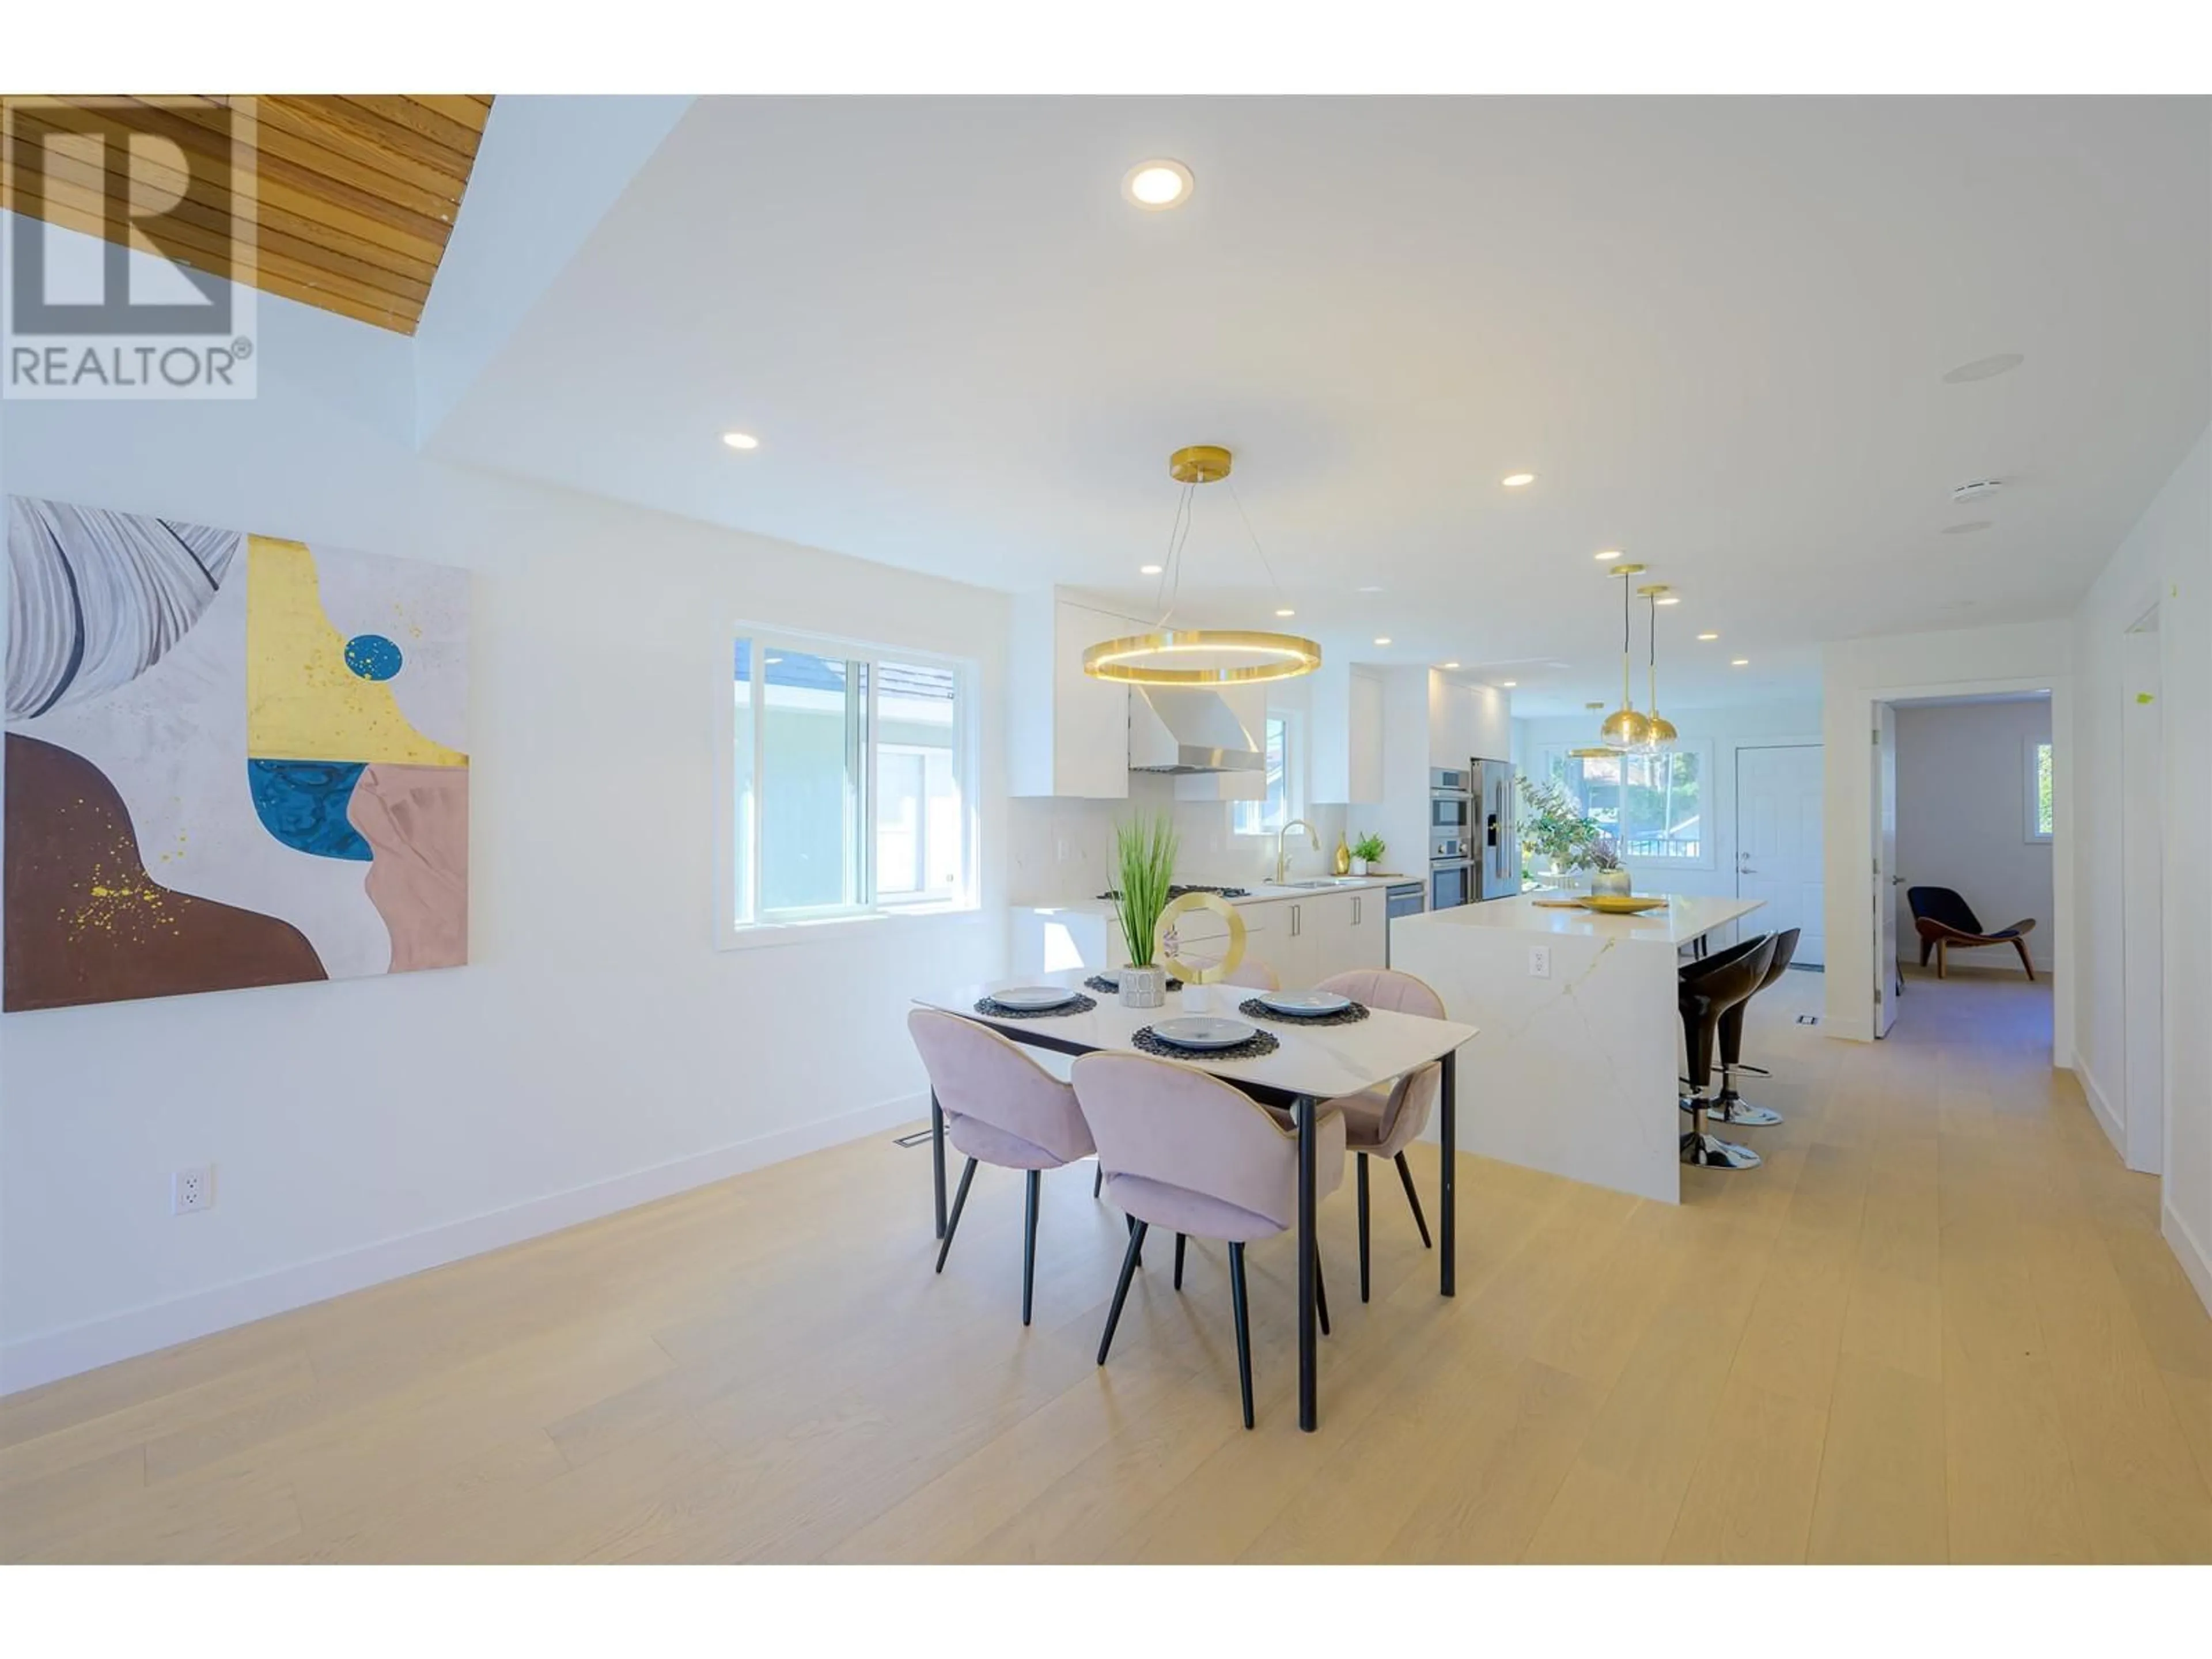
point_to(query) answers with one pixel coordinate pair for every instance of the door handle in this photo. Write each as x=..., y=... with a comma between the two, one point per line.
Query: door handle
x=1744, y=870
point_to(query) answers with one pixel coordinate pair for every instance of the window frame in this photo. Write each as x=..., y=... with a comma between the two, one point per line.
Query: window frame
x=2031, y=791
x=872, y=915
x=1704, y=748
x=1294, y=805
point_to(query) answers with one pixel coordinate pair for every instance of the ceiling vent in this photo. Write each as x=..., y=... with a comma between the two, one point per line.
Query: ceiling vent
x=1974, y=489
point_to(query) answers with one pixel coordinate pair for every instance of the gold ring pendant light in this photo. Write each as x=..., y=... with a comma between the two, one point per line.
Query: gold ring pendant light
x=1624, y=729
x=1199, y=656
x=1660, y=733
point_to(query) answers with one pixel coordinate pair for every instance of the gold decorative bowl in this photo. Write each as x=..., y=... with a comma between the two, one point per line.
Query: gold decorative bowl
x=1620, y=904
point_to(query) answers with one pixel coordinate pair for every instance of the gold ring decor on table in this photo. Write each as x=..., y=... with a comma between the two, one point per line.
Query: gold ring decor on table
x=1191, y=904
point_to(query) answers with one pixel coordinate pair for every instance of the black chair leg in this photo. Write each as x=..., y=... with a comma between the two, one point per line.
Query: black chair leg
x=1321, y=1293
x=1180, y=1242
x=1122, y=1289
x=1097, y=1180
x=1243, y=1328
x=1406, y=1175
x=1362, y=1177
x=1029, y=1243
x=952, y=1221
x=1136, y=1231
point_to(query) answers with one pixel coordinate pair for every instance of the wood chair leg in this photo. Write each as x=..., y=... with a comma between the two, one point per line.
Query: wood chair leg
x=1243, y=1328
x=1029, y=1242
x=952, y=1221
x=1942, y=959
x=1406, y=1176
x=1122, y=1289
x=2021, y=945
x=1926, y=945
x=1361, y=1175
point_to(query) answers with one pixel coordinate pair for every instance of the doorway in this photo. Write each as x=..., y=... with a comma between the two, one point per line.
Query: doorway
x=1965, y=839
x=1779, y=805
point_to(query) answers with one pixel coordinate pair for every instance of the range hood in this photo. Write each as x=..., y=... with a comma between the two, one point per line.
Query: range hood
x=1179, y=730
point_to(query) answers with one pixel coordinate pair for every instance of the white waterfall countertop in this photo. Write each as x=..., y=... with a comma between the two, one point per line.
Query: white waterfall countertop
x=1685, y=918
x=1575, y=1070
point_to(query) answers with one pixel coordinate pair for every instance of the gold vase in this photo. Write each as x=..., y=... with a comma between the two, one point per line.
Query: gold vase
x=1343, y=857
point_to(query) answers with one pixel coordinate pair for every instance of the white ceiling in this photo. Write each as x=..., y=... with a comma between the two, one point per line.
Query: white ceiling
x=1716, y=328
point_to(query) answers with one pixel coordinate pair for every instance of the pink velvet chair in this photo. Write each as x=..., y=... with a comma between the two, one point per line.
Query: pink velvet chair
x=1381, y=1122
x=1186, y=1151
x=1000, y=1106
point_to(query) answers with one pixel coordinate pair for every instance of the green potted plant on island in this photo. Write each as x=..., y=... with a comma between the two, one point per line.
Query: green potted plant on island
x=1366, y=853
x=1143, y=862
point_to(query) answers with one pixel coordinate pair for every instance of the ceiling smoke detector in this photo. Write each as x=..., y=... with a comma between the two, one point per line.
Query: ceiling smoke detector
x=1975, y=489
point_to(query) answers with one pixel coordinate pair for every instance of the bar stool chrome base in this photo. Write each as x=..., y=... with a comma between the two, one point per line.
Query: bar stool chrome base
x=1714, y=1153
x=1736, y=1111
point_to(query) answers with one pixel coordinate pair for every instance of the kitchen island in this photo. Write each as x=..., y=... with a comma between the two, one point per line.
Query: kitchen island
x=1576, y=1070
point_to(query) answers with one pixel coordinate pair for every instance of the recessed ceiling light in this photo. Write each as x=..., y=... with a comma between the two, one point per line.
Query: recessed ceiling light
x=1286, y=612
x=1967, y=528
x=1509, y=684
x=741, y=440
x=1740, y=662
x=1984, y=368
x=1370, y=589
x=1382, y=639
x=1451, y=665
x=1517, y=480
x=1708, y=636
x=1156, y=185
x=1148, y=570
x=1610, y=553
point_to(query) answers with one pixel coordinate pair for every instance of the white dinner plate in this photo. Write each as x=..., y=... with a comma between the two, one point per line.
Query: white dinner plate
x=1033, y=997
x=1305, y=1003
x=1204, y=1032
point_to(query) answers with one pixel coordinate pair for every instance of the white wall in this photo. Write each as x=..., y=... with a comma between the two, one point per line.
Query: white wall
x=598, y=1050
x=2165, y=562
x=1961, y=821
x=1856, y=675
x=1728, y=729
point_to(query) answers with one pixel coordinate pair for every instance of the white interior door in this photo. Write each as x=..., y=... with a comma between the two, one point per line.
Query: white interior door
x=1778, y=793
x=2142, y=803
x=1884, y=869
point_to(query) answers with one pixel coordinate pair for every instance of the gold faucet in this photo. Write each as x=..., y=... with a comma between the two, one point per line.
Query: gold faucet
x=1282, y=857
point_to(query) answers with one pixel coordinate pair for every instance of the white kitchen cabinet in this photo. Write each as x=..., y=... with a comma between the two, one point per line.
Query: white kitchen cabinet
x=1467, y=722
x=1066, y=733
x=1345, y=737
x=1368, y=935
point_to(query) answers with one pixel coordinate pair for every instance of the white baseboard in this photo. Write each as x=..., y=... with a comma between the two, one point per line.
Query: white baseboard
x=43, y=1358
x=2101, y=1108
x=2196, y=1261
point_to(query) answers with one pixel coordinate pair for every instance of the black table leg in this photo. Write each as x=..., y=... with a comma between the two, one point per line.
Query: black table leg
x=937, y=1155
x=1309, y=1352
x=1448, y=1222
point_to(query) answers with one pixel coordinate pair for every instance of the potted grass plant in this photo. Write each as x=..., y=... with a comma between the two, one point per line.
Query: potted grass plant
x=1366, y=853
x=1143, y=862
x=1606, y=873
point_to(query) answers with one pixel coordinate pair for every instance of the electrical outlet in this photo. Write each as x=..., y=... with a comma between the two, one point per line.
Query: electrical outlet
x=1540, y=962
x=191, y=1189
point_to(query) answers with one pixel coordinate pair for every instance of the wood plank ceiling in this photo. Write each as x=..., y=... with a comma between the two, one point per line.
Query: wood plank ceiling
x=356, y=196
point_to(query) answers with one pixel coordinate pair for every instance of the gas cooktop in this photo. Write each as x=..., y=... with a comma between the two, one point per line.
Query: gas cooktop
x=1177, y=891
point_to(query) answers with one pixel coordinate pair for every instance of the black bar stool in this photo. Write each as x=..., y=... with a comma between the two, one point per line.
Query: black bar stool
x=1708, y=989
x=1730, y=1107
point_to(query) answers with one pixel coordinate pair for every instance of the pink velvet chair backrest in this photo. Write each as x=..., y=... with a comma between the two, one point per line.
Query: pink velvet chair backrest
x=1417, y=1092
x=1165, y=1122
x=979, y=1074
x=1253, y=975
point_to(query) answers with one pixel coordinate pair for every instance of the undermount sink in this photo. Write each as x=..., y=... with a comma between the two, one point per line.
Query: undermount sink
x=1327, y=881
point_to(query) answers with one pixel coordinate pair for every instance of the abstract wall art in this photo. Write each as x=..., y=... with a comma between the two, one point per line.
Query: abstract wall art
x=232, y=760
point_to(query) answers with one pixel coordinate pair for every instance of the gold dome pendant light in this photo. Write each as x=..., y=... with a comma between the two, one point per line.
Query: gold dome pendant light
x=1661, y=734
x=1623, y=728
x=1199, y=656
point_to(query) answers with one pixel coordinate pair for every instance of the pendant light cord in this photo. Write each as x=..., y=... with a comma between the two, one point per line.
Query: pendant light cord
x=1272, y=581
x=1171, y=582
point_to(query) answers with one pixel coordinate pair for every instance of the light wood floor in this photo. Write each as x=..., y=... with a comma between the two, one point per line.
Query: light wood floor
x=1938, y=1324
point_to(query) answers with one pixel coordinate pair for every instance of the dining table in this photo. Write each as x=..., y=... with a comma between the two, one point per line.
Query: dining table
x=1312, y=1064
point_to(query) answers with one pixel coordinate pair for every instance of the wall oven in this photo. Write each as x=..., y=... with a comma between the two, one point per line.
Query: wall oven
x=1451, y=838
x=1451, y=804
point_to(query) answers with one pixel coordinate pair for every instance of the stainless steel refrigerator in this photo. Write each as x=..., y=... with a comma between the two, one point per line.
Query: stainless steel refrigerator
x=1497, y=843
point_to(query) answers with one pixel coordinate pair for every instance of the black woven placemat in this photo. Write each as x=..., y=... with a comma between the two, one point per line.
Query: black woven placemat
x=1081, y=1005
x=1259, y=1045
x=1100, y=982
x=1253, y=1008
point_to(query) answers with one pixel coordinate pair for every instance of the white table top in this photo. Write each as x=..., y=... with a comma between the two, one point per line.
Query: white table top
x=1322, y=1061
x=1685, y=918
x=1261, y=892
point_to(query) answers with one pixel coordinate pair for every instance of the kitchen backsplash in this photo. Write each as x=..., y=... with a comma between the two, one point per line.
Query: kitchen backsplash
x=1063, y=849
